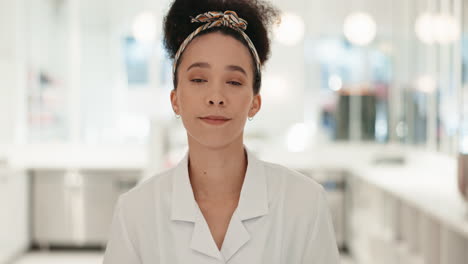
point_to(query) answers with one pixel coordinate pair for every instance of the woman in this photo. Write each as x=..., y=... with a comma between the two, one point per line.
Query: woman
x=221, y=204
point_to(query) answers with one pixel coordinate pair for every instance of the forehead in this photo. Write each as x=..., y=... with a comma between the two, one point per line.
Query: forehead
x=218, y=50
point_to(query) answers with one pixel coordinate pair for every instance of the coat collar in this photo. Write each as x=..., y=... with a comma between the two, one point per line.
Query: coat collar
x=253, y=202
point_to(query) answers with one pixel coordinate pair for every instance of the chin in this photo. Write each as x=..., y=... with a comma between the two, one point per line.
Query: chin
x=219, y=140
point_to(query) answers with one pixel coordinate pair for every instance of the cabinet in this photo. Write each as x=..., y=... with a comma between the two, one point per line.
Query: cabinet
x=386, y=227
x=74, y=208
x=14, y=228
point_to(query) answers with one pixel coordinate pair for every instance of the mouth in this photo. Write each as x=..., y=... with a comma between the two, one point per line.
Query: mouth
x=215, y=120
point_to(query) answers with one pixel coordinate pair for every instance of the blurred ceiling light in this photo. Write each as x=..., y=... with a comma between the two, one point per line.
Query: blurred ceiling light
x=144, y=27
x=440, y=28
x=425, y=83
x=297, y=137
x=424, y=28
x=291, y=30
x=335, y=83
x=447, y=29
x=360, y=28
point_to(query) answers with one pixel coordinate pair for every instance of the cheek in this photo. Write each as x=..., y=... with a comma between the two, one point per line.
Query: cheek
x=245, y=103
x=187, y=100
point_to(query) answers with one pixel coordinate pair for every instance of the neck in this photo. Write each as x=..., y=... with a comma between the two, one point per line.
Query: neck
x=217, y=173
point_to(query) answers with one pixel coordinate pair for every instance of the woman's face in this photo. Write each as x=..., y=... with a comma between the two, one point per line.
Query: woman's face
x=215, y=78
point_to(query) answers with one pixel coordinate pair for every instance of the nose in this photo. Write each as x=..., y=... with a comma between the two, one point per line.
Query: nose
x=216, y=97
x=220, y=102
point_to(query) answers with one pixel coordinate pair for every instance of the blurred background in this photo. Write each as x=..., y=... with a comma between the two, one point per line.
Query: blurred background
x=368, y=97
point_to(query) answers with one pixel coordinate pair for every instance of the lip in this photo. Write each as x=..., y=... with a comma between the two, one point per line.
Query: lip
x=215, y=120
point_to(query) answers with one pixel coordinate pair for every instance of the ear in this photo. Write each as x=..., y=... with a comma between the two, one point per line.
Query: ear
x=256, y=105
x=174, y=102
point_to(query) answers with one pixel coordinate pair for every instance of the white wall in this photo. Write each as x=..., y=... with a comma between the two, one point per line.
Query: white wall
x=14, y=217
x=8, y=70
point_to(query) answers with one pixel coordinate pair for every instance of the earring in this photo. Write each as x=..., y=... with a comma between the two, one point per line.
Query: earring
x=177, y=116
x=250, y=118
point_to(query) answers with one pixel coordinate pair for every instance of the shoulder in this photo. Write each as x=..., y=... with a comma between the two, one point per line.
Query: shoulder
x=156, y=188
x=293, y=189
x=138, y=208
x=292, y=179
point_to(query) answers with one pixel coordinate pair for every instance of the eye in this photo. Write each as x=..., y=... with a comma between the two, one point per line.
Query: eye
x=235, y=83
x=198, y=80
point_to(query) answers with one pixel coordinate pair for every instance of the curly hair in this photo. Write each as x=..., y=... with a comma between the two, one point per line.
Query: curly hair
x=259, y=14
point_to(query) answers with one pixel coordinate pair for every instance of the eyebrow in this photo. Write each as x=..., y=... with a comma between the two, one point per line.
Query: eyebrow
x=229, y=67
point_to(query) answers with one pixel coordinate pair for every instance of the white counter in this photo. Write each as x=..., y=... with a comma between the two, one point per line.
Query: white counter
x=60, y=156
x=427, y=180
x=431, y=190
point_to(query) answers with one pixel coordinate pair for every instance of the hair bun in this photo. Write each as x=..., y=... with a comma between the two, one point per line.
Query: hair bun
x=259, y=15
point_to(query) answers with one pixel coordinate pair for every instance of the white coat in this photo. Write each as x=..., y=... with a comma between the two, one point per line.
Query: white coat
x=282, y=217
